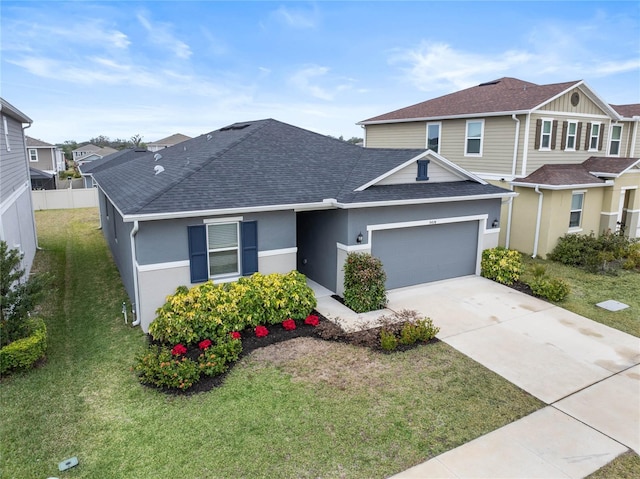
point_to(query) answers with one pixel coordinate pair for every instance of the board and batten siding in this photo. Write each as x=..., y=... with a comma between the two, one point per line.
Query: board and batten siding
x=397, y=135
x=408, y=174
x=13, y=166
x=584, y=107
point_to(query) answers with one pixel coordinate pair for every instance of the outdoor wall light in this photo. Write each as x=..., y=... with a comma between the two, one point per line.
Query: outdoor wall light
x=495, y=223
x=359, y=238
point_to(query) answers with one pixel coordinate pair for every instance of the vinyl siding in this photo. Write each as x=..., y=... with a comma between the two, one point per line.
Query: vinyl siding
x=397, y=135
x=627, y=140
x=14, y=172
x=45, y=160
x=584, y=107
x=436, y=174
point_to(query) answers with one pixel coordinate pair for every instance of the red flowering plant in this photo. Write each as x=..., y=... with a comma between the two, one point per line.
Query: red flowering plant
x=289, y=324
x=204, y=344
x=178, y=349
x=235, y=335
x=261, y=331
x=312, y=320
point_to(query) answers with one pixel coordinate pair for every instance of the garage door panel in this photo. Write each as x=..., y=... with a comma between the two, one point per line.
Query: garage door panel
x=427, y=253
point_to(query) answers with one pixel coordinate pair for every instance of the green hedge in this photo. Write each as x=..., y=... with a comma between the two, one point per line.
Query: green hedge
x=23, y=353
x=364, y=283
x=210, y=311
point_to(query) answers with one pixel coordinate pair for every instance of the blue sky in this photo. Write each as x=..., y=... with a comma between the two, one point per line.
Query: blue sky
x=83, y=69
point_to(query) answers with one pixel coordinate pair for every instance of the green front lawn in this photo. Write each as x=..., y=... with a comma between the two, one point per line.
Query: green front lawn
x=588, y=289
x=311, y=410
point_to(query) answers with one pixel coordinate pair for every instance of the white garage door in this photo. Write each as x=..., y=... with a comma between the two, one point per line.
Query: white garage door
x=421, y=254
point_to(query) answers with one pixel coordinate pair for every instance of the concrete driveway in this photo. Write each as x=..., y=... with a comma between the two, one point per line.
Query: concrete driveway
x=587, y=373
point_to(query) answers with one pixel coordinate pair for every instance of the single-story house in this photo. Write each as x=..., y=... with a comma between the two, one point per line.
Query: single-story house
x=270, y=197
x=42, y=180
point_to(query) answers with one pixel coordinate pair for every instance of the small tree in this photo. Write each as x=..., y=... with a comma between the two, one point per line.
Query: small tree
x=364, y=283
x=19, y=297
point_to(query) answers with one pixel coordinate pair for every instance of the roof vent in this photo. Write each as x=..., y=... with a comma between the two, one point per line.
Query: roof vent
x=235, y=127
x=209, y=137
x=494, y=82
x=158, y=169
x=157, y=156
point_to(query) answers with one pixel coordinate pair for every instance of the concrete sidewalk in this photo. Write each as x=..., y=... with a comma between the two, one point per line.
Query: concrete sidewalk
x=586, y=372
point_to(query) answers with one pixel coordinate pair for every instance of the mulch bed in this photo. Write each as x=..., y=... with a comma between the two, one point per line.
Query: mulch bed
x=325, y=330
x=523, y=288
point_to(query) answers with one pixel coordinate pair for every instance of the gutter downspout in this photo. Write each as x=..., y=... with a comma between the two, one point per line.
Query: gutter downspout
x=636, y=119
x=513, y=174
x=538, y=220
x=136, y=293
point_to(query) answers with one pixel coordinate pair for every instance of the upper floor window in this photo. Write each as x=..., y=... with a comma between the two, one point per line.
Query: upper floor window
x=224, y=251
x=433, y=137
x=473, y=138
x=6, y=132
x=575, y=217
x=545, y=136
x=33, y=154
x=615, y=140
x=571, y=139
x=594, y=136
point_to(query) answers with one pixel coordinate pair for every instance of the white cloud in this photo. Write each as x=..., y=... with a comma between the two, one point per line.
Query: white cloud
x=308, y=80
x=296, y=18
x=160, y=34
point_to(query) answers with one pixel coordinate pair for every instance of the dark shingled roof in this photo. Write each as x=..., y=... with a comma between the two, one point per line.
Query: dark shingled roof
x=579, y=174
x=34, y=143
x=260, y=163
x=627, y=111
x=122, y=156
x=36, y=174
x=502, y=95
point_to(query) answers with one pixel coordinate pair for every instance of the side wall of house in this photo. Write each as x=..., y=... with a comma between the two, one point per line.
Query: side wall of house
x=46, y=161
x=17, y=224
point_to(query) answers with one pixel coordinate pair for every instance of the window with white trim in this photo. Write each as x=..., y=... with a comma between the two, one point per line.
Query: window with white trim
x=615, y=140
x=545, y=134
x=6, y=132
x=594, y=137
x=433, y=137
x=224, y=248
x=473, y=138
x=33, y=154
x=575, y=217
x=572, y=132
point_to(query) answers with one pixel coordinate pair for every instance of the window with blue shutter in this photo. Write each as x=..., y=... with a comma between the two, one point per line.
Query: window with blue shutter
x=423, y=170
x=198, y=263
x=249, y=247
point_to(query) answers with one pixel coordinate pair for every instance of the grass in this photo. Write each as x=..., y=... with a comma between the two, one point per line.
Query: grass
x=626, y=466
x=267, y=420
x=588, y=289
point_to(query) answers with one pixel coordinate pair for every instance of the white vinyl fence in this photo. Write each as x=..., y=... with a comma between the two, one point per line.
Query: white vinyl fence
x=64, y=199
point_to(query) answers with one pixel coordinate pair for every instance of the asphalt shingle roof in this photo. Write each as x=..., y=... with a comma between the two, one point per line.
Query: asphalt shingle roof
x=502, y=95
x=34, y=143
x=627, y=111
x=113, y=159
x=259, y=163
x=579, y=174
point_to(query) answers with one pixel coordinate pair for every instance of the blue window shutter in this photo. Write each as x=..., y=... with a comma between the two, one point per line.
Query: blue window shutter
x=198, y=263
x=249, y=238
x=423, y=170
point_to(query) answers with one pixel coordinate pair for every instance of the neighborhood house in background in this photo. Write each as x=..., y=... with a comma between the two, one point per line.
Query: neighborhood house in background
x=17, y=221
x=167, y=142
x=566, y=152
x=270, y=197
x=90, y=152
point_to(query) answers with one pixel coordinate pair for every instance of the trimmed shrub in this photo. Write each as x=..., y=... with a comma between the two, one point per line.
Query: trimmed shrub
x=574, y=249
x=501, y=265
x=215, y=359
x=406, y=328
x=388, y=340
x=364, y=283
x=23, y=353
x=213, y=310
x=157, y=366
x=553, y=289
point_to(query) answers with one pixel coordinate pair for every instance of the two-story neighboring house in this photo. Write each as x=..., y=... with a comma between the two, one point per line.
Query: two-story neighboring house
x=167, y=142
x=44, y=158
x=507, y=130
x=17, y=222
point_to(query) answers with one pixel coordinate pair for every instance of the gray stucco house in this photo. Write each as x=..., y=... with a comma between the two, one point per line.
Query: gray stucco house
x=17, y=222
x=270, y=197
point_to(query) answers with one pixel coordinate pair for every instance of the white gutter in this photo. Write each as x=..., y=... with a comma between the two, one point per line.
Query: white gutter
x=538, y=220
x=134, y=262
x=565, y=187
x=445, y=117
x=525, y=150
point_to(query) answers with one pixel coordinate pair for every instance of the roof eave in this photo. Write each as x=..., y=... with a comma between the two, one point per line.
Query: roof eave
x=562, y=187
x=418, y=201
x=447, y=117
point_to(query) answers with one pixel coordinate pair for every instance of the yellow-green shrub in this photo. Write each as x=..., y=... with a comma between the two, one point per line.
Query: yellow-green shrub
x=502, y=265
x=23, y=353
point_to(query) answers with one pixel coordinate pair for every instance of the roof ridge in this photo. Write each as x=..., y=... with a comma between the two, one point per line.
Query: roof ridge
x=206, y=162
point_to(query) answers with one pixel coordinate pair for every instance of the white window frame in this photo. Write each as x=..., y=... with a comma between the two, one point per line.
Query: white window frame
x=439, y=125
x=33, y=152
x=612, y=141
x=543, y=134
x=569, y=135
x=578, y=227
x=466, y=138
x=593, y=137
x=6, y=132
x=237, y=248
